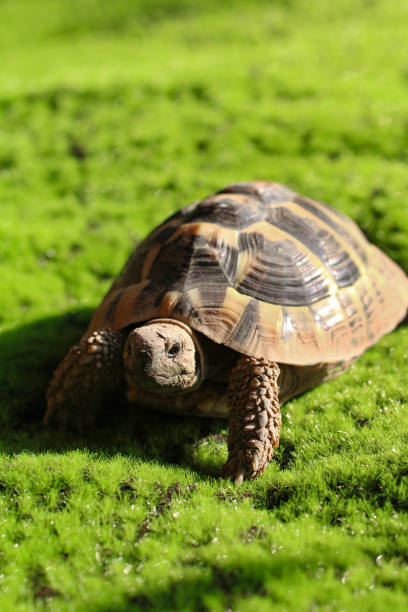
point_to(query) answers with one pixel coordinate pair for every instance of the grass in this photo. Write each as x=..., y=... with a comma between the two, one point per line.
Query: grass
x=113, y=115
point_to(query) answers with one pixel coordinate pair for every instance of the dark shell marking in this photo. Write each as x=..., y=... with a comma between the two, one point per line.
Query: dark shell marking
x=266, y=272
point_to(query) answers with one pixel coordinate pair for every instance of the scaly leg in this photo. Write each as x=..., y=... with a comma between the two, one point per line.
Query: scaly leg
x=90, y=371
x=254, y=418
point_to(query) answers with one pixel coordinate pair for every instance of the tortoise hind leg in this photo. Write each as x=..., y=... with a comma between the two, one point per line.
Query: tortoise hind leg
x=90, y=371
x=254, y=418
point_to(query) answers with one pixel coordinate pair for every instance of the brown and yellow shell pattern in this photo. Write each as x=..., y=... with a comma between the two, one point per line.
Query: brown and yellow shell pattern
x=266, y=272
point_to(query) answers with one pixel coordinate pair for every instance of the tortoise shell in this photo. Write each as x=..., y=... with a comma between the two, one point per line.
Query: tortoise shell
x=266, y=272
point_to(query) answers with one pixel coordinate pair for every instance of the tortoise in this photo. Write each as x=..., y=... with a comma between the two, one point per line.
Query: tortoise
x=229, y=308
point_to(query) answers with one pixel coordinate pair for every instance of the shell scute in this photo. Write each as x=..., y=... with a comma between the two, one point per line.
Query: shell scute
x=340, y=224
x=280, y=273
x=318, y=239
x=236, y=213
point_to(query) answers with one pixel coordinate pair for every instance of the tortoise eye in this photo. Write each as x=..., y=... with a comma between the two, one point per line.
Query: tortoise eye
x=174, y=349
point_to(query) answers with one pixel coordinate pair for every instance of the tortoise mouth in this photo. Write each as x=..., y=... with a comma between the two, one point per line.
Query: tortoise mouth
x=164, y=385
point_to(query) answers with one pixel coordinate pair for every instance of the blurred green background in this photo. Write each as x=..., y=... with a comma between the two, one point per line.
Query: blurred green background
x=113, y=115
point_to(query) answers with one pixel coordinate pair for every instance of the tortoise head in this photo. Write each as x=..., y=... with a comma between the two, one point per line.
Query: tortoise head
x=164, y=356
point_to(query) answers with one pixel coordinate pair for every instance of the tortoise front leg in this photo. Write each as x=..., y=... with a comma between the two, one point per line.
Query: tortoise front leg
x=90, y=371
x=254, y=418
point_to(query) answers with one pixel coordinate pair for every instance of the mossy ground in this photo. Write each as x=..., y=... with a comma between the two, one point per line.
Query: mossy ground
x=112, y=116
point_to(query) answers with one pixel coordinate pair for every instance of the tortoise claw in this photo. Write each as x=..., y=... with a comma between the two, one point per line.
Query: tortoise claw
x=239, y=476
x=235, y=469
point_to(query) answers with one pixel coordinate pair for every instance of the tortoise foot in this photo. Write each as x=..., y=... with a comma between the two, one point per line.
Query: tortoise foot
x=254, y=420
x=89, y=372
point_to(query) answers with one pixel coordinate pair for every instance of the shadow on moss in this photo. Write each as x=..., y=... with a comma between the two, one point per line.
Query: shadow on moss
x=28, y=355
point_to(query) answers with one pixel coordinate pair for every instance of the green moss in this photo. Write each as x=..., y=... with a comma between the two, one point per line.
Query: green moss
x=113, y=115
